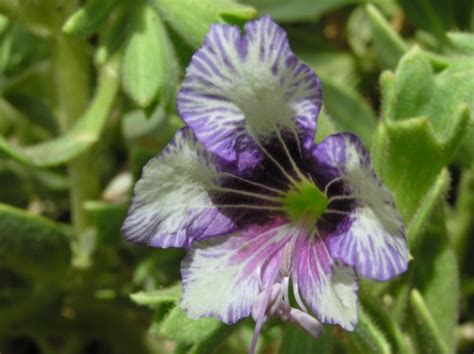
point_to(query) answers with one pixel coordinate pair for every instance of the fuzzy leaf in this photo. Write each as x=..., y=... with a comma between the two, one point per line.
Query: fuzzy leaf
x=368, y=338
x=297, y=10
x=460, y=223
x=158, y=297
x=432, y=199
x=32, y=245
x=149, y=65
x=191, y=18
x=88, y=19
x=414, y=141
x=113, y=37
x=297, y=341
x=433, y=16
x=82, y=135
x=427, y=334
x=388, y=44
x=325, y=126
x=178, y=327
x=463, y=41
x=436, y=276
x=108, y=219
x=348, y=110
x=375, y=308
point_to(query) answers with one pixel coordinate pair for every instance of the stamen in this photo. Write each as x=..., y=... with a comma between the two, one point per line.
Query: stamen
x=286, y=289
x=299, y=301
x=280, y=167
x=343, y=197
x=249, y=194
x=298, y=142
x=337, y=179
x=287, y=151
x=332, y=211
x=246, y=206
x=287, y=257
x=261, y=313
x=238, y=206
x=253, y=183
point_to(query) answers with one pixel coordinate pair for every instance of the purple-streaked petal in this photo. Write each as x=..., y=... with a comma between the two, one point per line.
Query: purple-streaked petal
x=171, y=205
x=223, y=276
x=374, y=241
x=328, y=287
x=240, y=88
x=374, y=245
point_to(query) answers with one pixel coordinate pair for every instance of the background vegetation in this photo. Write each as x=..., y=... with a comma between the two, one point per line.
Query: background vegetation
x=87, y=94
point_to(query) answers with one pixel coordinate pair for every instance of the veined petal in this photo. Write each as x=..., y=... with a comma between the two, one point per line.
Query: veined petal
x=328, y=287
x=374, y=240
x=241, y=87
x=223, y=276
x=171, y=205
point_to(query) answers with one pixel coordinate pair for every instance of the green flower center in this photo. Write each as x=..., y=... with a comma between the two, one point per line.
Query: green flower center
x=305, y=200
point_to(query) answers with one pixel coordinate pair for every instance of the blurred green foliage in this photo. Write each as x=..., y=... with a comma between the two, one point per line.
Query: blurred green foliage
x=87, y=94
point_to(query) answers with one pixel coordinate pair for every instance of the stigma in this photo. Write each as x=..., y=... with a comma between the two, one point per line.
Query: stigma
x=305, y=200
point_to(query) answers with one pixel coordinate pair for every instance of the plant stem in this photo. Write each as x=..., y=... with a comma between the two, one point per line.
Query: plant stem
x=71, y=70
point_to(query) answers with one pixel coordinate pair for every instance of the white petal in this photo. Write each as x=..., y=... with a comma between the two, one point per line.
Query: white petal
x=171, y=205
x=223, y=276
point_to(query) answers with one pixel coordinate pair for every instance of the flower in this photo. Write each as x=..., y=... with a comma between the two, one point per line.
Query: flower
x=262, y=210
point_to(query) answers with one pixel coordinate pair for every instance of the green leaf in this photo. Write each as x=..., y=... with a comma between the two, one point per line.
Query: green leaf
x=463, y=41
x=325, y=126
x=436, y=276
x=368, y=338
x=414, y=141
x=460, y=222
x=297, y=10
x=113, y=36
x=434, y=16
x=36, y=110
x=81, y=136
x=191, y=18
x=388, y=44
x=375, y=308
x=339, y=67
x=88, y=19
x=158, y=297
x=108, y=324
x=32, y=245
x=149, y=64
x=38, y=16
x=18, y=192
x=427, y=334
x=108, y=219
x=297, y=341
x=427, y=205
x=348, y=110
x=136, y=125
x=178, y=327
x=210, y=343
x=14, y=303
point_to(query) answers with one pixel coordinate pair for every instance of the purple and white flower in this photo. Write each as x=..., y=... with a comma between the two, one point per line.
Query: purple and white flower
x=262, y=210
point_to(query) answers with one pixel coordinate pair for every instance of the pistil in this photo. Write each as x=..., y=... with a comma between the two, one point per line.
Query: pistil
x=305, y=200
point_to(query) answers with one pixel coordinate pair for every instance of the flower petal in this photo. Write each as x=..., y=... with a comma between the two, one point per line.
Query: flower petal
x=171, y=205
x=374, y=240
x=223, y=276
x=328, y=287
x=241, y=87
